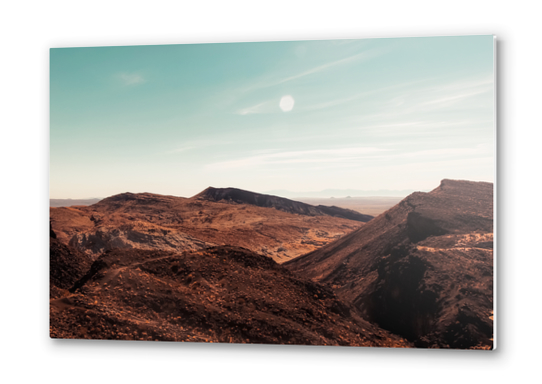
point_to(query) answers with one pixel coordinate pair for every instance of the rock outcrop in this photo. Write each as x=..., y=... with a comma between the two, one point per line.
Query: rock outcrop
x=66, y=265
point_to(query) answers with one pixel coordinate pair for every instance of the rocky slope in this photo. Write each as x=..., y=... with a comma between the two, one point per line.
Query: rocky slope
x=423, y=269
x=150, y=221
x=220, y=294
x=66, y=265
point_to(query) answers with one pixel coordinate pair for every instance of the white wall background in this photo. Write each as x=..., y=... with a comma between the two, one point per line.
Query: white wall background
x=29, y=28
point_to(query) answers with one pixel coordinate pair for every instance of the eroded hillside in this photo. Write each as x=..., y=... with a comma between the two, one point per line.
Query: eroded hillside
x=150, y=221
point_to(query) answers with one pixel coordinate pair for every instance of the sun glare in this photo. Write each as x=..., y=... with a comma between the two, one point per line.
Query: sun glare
x=287, y=103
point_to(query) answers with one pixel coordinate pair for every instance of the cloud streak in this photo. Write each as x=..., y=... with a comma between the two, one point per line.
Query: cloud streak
x=360, y=56
x=443, y=97
x=297, y=157
x=369, y=93
x=265, y=107
x=131, y=78
x=180, y=149
x=196, y=144
x=363, y=56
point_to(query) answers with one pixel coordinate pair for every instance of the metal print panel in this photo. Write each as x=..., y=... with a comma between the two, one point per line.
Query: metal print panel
x=332, y=192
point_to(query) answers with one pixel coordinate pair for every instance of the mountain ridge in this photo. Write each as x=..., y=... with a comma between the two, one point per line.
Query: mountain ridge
x=423, y=269
x=240, y=196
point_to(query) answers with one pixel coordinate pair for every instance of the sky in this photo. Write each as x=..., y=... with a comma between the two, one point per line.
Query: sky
x=299, y=116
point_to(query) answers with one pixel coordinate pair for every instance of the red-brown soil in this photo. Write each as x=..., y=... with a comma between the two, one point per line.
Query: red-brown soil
x=221, y=294
x=150, y=221
x=423, y=269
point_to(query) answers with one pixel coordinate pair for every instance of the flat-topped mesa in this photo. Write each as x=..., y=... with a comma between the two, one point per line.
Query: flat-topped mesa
x=464, y=187
x=240, y=196
x=455, y=206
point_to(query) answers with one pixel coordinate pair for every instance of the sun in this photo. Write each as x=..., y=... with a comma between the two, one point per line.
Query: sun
x=287, y=103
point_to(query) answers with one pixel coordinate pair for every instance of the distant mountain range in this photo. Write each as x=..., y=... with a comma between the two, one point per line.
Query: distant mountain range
x=326, y=193
x=341, y=193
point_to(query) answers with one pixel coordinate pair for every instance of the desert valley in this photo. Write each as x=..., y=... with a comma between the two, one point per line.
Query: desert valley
x=234, y=266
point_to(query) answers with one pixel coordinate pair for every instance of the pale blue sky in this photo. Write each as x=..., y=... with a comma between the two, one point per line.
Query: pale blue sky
x=367, y=114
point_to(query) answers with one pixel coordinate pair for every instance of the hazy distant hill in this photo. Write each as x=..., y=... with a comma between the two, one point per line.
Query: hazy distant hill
x=70, y=202
x=326, y=193
x=369, y=205
x=423, y=269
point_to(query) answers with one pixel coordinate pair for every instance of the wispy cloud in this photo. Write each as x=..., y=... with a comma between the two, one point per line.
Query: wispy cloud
x=333, y=103
x=196, y=144
x=320, y=68
x=297, y=157
x=451, y=99
x=265, y=107
x=180, y=149
x=363, y=56
x=365, y=94
x=132, y=78
x=444, y=96
x=420, y=129
x=426, y=106
x=480, y=150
